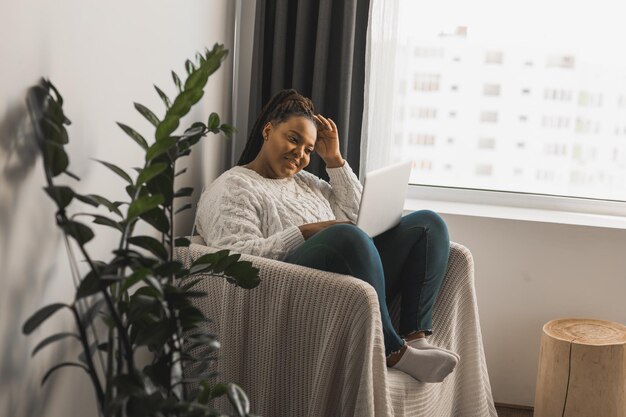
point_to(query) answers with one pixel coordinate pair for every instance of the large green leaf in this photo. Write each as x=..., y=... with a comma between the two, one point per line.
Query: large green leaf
x=119, y=171
x=55, y=158
x=194, y=97
x=238, y=399
x=150, y=172
x=209, y=66
x=157, y=219
x=144, y=300
x=167, y=269
x=51, y=339
x=89, y=285
x=71, y=175
x=164, y=97
x=155, y=334
x=143, y=205
x=151, y=244
x=225, y=262
x=40, y=316
x=182, y=104
x=92, y=312
x=184, y=192
x=182, y=242
x=96, y=200
x=62, y=365
x=214, y=122
x=177, y=82
x=245, y=275
x=81, y=233
x=161, y=146
x=162, y=184
x=187, y=152
x=168, y=125
x=134, y=135
x=62, y=195
x=191, y=283
x=131, y=190
x=148, y=114
x=159, y=372
x=128, y=385
x=189, y=67
x=87, y=200
x=196, y=80
x=135, y=277
x=57, y=95
x=205, y=263
x=103, y=220
x=54, y=132
x=199, y=58
x=228, y=130
x=196, y=129
x=54, y=111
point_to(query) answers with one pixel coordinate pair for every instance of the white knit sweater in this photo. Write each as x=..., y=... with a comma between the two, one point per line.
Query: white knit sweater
x=247, y=213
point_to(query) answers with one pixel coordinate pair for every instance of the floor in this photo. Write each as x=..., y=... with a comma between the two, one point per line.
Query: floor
x=513, y=412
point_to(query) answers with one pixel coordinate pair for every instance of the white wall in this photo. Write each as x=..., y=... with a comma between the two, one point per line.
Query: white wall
x=102, y=56
x=528, y=273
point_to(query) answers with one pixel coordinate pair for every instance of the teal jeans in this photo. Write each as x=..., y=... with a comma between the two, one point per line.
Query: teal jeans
x=410, y=259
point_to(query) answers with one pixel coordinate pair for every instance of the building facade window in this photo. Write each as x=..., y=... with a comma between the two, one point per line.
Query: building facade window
x=504, y=108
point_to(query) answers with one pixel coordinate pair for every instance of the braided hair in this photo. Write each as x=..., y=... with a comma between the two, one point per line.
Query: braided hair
x=284, y=104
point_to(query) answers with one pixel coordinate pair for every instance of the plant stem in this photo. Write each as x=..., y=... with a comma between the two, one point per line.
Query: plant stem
x=109, y=368
x=81, y=302
x=114, y=314
x=90, y=364
x=118, y=322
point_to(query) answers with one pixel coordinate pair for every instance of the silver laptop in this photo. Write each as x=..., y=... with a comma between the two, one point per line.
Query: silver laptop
x=382, y=201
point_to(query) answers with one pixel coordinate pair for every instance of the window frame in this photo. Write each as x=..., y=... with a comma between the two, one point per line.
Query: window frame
x=517, y=200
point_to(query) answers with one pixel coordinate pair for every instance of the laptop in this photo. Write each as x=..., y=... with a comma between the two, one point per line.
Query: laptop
x=382, y=200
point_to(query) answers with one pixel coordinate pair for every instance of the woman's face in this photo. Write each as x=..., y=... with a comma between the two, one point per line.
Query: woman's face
x=287, y=146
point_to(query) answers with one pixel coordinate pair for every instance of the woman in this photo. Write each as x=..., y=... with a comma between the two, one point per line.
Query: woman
x=268, y=206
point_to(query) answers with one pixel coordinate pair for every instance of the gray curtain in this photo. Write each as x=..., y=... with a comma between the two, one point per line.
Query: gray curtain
x=318, y=48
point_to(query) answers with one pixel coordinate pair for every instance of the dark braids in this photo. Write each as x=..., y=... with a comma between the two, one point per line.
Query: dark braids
x=284, y=104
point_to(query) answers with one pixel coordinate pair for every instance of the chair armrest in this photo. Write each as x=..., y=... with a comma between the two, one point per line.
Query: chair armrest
x=308, y=342
x=311, y=337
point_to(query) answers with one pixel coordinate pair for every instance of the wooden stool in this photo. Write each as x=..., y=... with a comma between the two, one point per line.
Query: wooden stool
x=582, y=369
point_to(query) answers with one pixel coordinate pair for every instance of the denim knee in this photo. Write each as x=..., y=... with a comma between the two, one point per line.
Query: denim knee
x=433, y=222
x=348, y=237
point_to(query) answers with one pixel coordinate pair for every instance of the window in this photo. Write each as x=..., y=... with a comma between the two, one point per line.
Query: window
x=496, y=106
x=491, y=90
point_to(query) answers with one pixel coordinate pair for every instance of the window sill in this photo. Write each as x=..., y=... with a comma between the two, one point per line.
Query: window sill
x=517, y=213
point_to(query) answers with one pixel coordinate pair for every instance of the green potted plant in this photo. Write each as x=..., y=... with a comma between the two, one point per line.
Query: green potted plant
x=141, y=298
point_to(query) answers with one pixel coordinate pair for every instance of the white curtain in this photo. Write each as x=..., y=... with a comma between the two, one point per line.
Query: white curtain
x=379, y=107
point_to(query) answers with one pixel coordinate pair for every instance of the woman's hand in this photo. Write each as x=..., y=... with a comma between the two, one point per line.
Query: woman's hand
x=310, y=229
x=327, y=143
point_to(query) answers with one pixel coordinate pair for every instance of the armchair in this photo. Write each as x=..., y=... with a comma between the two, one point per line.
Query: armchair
x=309, y=343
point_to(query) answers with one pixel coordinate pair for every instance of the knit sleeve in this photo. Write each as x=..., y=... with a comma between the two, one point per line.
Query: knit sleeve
x=230, y=218
x=344, y=192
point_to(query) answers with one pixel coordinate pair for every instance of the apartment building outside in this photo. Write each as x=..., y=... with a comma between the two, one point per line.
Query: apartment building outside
x=514, y=118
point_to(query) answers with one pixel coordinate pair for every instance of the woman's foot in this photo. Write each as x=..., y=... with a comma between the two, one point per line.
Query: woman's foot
x=428, y=365
x=393, y=358
x=422, y=344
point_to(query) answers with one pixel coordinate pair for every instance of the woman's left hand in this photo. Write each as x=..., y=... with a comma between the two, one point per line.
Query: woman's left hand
x=327, y=143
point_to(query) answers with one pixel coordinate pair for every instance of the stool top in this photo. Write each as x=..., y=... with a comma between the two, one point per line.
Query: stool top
x=587, y=331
